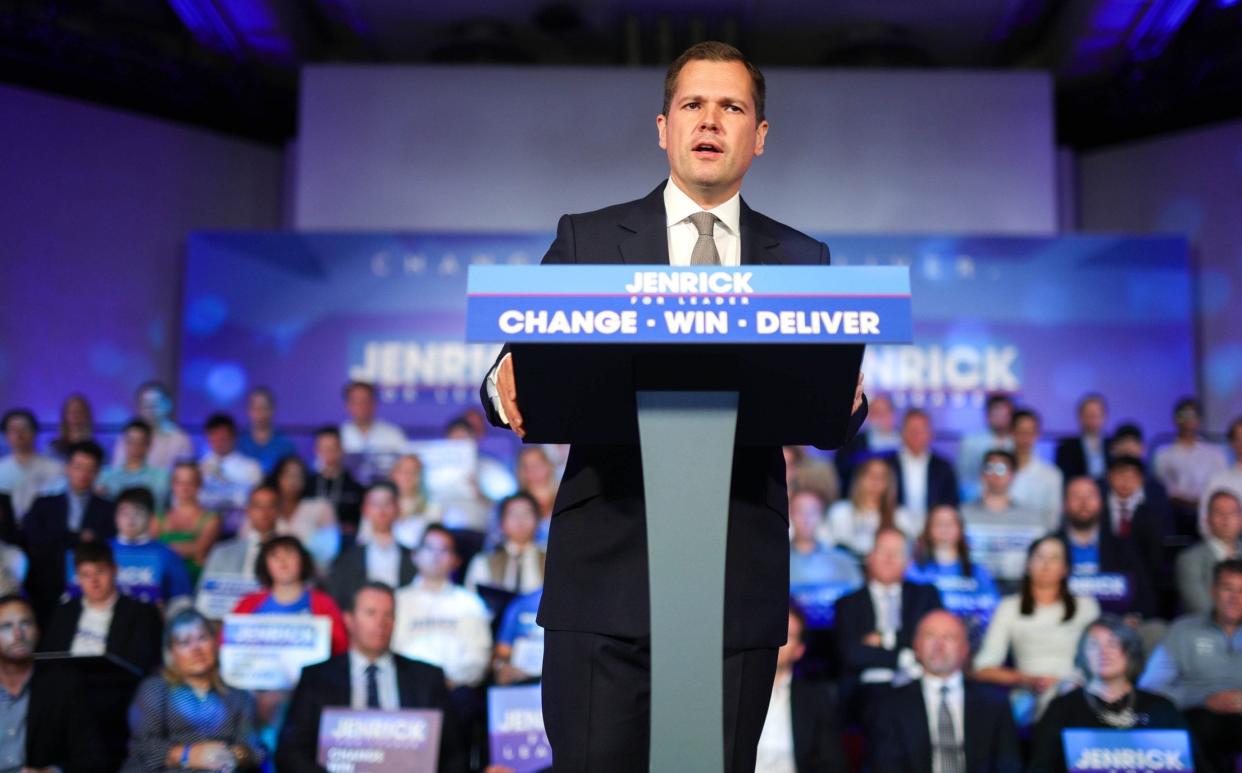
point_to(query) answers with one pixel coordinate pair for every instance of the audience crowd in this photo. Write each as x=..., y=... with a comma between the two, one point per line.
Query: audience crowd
x=946, y=615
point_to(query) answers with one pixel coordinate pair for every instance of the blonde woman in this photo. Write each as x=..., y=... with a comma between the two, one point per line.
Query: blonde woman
x=852, y=523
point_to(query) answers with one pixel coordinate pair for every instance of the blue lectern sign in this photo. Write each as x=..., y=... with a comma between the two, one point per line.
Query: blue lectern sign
x=746, y=304
x=1123, y=751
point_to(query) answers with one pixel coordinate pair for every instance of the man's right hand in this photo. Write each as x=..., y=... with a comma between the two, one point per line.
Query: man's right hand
x=507, y=388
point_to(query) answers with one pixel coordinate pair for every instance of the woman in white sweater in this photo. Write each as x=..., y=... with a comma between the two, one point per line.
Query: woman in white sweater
x=1040, y=626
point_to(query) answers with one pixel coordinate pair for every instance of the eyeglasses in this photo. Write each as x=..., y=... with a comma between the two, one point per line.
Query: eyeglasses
x=996, y=468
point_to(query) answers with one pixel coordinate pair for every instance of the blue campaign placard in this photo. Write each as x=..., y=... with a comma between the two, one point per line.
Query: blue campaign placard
x=1103, y=587
x=515, y=728
x=818, y=601
x=727, y=305
x=1123, y=751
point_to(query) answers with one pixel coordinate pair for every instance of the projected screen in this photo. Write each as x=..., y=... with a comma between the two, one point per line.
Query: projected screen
x=1044, y=318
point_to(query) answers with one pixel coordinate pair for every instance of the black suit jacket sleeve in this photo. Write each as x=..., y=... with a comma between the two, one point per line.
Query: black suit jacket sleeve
x=991, y=734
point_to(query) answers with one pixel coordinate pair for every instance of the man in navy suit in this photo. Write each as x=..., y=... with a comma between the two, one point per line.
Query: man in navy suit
x=943, y=723
x=925, y=479
x=370, y=675
x=596, y=678
x=56, y=524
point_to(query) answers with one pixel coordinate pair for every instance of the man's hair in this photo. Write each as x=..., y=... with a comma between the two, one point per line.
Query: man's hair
x=17, y=598
x=382, y=587
x=138, y=496
x=139, y=425
x=220, y=421
x=381, y=485
x=715, y=51
x=1188, y=402
x=996, y=398
x=287, y=542
x=519, y=496
x=438, y=528
x=352, y=385
x=1024, y=413
x=264, y=486
x=20, y=413
x=1222, y=494
x=1128, y=431
x=88, y=447
x=93, y=552
x=459, y=423
x=1130, y=462
x=1092, y=397
x=1228, y=566
x=1001, y=453
x=328, y=429
x=915, y=413
x=265, y=392
x=158, y=386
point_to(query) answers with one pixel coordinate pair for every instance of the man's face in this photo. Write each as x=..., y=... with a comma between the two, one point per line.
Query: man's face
x=153, y=406
x=1000, y=416
x=19, y=434
x=1227, y=598
x=805, y=515
x=1128, y=446
x=940, y=644
x=221, y=441
x=328, y=451
x=793, y=648
x=916, y=433
x=519, y=522
x=710, y=133
x=18, y=634
x=81, y=471
x=261, y=511
x=259, y=410
x=886, y=563
x=436, y=559
x=360, y=406
x=97, y=580
x=880, y=414
x=1225, y=519
x=1082, y=503
x=1091, y=417
x=371, y=621
x=1025, y=434
x=997, y=475
x=380, y=510
x=1187, y=420
x=131, y=520
x=1125, y=481
x=137, y=444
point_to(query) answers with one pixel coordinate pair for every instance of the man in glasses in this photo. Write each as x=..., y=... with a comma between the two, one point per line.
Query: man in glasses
x=1000, y=529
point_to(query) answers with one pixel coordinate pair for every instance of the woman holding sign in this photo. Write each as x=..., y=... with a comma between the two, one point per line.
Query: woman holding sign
x=187, y=718
x=942, y=558
x=1110, y=656
x=285, y=570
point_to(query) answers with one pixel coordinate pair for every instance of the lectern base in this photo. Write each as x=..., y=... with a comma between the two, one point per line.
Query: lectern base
x=687, y=457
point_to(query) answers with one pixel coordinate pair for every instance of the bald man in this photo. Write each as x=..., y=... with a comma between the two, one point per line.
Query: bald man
x=943, y=723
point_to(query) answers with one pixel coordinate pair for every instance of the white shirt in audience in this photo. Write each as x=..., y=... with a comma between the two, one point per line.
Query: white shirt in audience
x=380, y=438
x=1185, y=470
x=25, y=482
x=448, y=627
x=384, y=563
x=385, y=681
x=956, y=697
x=854, y=529
x=914, y=481
x=776, y=746
x=1037, y=486
x=92, y=634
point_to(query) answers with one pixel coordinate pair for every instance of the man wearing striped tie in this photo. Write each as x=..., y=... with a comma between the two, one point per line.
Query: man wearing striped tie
x=943, y=722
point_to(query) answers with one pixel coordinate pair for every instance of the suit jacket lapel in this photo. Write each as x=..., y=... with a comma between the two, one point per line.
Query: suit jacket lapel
x=758, y=246
x=972, y=733
x=409, y=697
x=340, y=691
x=917, y=724
x=647, y=237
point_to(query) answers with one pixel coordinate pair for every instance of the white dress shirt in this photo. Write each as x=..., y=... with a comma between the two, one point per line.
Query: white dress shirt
x=91, y=637
x=1037, y=486
x=957, y=709
x=384, y=563
x=1185, y=469
x=914, y=481
x=380, y=438
x=385, y=680
x=776, y=745
x=25, y=482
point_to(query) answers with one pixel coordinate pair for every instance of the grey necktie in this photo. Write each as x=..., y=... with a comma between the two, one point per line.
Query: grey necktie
x=948, y=753
x=704, y=253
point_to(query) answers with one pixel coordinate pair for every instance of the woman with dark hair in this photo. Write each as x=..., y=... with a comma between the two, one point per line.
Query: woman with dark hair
x=284, y=568
x=187, y=718
x=1110, y=657
x=311, y=519
x=942, y=558
x=77, y=423
x=1039, y=627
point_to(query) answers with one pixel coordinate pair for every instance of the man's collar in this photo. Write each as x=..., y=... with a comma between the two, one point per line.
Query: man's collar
x=678, y=206
x=878, y=587
x=933, y=683
x=358, y=661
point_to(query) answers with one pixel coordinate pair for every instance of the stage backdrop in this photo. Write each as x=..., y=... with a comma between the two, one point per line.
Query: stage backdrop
x=1044, y=318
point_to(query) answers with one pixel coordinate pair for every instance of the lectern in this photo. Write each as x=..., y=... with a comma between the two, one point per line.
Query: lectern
x=687, y=364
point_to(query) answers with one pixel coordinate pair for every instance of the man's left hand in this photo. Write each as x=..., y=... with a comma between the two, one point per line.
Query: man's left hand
x=858, y=395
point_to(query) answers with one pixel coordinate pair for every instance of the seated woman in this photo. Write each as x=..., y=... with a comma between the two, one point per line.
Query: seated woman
x=1040, y=627
x=872, y=505
x=1110, y=656
x=942, y=558
x=284, y=568
x=311, y=519
x=415, y=511
x=187, y=718
x=187, y=527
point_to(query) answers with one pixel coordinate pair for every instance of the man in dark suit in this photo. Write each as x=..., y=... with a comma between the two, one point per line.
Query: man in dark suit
x=1095, y=549
x=1087, y=452
x=102, y=621
x=381, y=559
x=333, y=481
x=46, y=726
x=943, y=723
x=368, y=676
x=56, y=524
x=875, y=624
x=925, y=480
x=595, y=605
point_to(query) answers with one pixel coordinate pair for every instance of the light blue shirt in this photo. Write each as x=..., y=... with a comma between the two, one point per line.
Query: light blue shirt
x=13, y=711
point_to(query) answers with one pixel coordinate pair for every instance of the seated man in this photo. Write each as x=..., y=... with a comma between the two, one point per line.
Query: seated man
x=262, y=441
x=801, y=732
x=102, y=622
x=133, y=470
x=228, y=475
x=229, y=572
x=1132, y=515
x=517, y=564
x=1036, y=485
x=943, y=722
x=333, y=482
x=998, y=415
x=24, y=473
x=440, y=622
x=56, y=524
x=45, y=727
x=1223, y=542
x=924, y=478
x=147, y=569
x=875, y=624
x=819, y=574
x=996, y=519
x=381, y=559
x=1086, y=453
x=1199, y=667
x=1103, y=565
x=369, y=676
